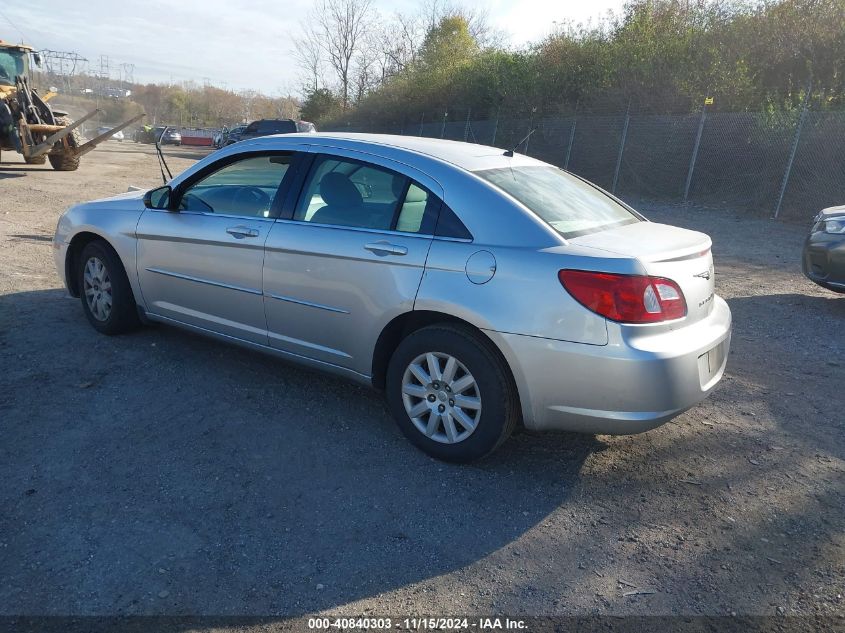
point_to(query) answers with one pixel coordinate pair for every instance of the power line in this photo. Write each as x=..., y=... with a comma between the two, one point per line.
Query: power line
x=15, y=26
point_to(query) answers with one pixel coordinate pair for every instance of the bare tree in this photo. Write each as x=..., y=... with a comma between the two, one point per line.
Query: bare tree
x=308, y=52
x=341, y=26
x=398, y=42
x=367, y=70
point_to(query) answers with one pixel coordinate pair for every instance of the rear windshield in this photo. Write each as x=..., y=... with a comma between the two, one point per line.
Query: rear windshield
x=277, y=127
x=568, y=204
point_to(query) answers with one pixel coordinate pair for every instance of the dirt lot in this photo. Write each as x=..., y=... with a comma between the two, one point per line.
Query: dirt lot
x=160, y=473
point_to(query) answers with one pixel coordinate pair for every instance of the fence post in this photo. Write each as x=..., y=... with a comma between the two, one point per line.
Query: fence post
x=495, y=128
x=694, y=156
x=571, y=141
x=422, y=116
x=466, y=127
x=794, y=149
x=443, y=127
x=621, y=148
x=530, y=130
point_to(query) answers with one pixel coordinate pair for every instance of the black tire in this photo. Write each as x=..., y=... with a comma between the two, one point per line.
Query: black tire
x=63, y=161
x=38, y=160
x=500, y=411
x=123, y=316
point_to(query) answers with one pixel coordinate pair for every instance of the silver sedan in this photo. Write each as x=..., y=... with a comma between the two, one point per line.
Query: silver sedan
x=479, y=289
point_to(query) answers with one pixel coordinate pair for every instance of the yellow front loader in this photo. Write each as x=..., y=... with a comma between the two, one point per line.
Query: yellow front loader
x=30, y=126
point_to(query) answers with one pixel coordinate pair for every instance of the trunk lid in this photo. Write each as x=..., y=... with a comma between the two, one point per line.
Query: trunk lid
x=681, y=255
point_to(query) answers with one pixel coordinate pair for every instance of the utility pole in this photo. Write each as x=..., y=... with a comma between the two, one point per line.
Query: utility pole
x=63, y=65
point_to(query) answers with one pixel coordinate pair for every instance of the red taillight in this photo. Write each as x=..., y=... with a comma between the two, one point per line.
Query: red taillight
x=626, y=298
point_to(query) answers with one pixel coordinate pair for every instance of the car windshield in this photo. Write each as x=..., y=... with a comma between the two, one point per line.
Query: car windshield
x=568, y=204
x=11, y=64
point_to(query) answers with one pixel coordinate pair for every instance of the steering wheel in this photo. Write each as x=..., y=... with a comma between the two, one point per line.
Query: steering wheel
x=251, y=200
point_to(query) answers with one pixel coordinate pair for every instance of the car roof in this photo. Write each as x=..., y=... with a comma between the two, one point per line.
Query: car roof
x=468, y=156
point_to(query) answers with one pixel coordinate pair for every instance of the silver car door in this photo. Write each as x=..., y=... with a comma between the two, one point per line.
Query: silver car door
x=201, y=263
x=348, y=260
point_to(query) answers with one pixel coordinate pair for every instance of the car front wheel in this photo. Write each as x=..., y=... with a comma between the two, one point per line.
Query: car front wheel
x=104, y=289
x=451, y=393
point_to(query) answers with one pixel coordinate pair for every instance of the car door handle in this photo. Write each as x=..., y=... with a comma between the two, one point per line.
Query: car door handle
x=240, y=232
x=386, y=248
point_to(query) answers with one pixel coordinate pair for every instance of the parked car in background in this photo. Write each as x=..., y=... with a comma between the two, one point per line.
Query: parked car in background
x=222, y=137
x=479, y=289
x=150, y=134
x=266, y=127
x=170, y=136
x=824, y=250
x=117, y=136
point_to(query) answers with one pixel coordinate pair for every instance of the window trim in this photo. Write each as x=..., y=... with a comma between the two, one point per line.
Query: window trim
x=278, y=198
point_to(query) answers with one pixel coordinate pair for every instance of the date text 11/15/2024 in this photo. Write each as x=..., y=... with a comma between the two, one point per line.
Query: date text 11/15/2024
x=417, y=624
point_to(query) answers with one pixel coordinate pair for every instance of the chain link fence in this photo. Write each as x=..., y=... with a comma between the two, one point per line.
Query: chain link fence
x=787, y=165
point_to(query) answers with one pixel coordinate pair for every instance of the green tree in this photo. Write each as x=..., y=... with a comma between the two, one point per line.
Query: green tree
x=321, y=105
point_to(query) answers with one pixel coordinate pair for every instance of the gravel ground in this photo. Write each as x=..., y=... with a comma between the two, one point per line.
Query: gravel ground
x=162, y=473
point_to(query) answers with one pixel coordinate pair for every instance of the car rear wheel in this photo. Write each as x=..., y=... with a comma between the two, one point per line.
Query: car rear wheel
x=451, y=393
x=104, y=289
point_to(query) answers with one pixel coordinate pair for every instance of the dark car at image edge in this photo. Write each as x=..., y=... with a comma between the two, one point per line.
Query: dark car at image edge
x=823, y=259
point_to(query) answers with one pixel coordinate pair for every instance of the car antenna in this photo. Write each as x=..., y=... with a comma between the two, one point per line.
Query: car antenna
x=527, y=136
x=162, y=164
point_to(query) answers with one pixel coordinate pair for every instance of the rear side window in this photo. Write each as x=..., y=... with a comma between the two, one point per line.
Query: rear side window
x=343, y=192
x=569, y=205
x=449, y=225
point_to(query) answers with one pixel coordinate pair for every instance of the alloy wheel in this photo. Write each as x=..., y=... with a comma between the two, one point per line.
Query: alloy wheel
x=441, y=397
x=97, y=289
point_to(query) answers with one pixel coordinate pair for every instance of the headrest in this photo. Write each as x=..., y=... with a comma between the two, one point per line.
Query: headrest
x=416, y=194
x=338, y=191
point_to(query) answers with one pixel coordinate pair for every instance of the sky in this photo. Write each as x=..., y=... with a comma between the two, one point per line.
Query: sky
x=234, y=44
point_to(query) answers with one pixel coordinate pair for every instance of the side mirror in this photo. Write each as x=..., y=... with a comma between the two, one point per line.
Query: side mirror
x=158, y=198
x=36, y=58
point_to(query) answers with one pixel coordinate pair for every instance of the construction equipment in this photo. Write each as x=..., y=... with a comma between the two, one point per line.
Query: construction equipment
x=30, y=126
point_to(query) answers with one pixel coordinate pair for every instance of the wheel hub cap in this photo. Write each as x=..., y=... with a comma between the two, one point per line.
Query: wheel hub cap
x=441, y=397
x=97, y=288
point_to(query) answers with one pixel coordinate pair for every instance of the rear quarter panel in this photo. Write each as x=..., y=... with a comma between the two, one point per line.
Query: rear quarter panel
x=524, y=295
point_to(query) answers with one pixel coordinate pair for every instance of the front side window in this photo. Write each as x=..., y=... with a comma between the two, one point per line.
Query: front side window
x=569, y=205
x=246, y=187
x=343, y=192
x=11, y=63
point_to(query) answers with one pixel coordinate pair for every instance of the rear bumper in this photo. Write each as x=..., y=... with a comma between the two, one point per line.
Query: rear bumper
x=629, y=386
